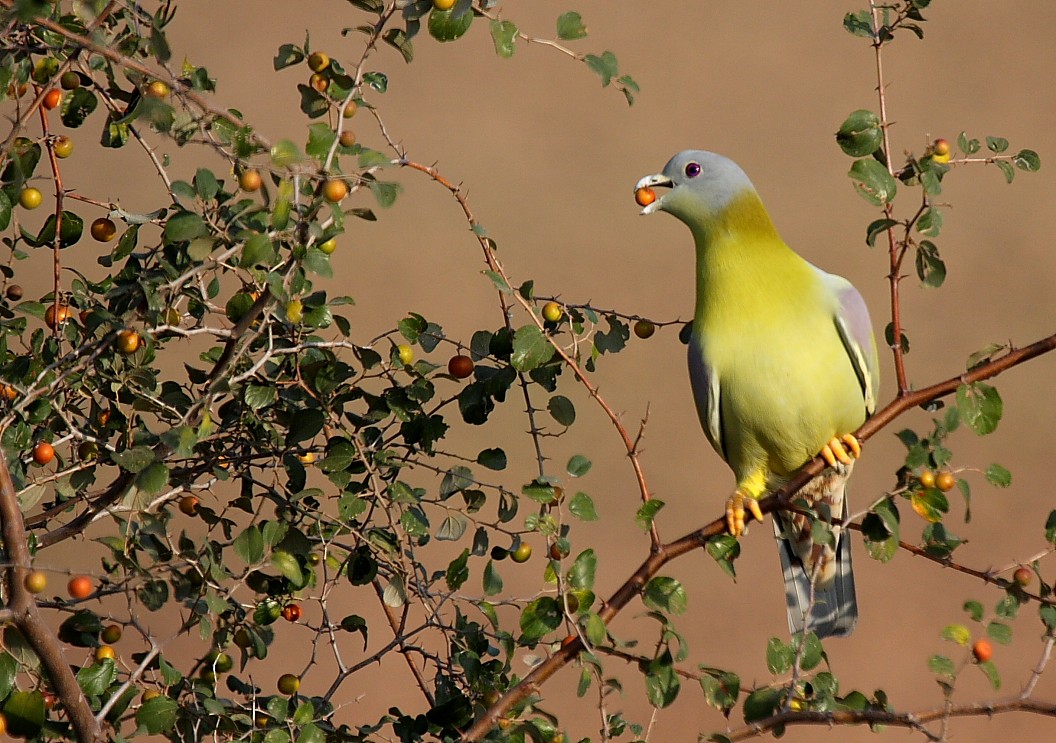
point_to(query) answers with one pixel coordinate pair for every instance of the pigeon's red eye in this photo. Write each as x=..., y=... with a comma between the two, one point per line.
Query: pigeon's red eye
x=693, y=170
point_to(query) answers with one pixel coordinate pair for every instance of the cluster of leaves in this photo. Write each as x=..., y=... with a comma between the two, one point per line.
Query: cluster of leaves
x=170, y=463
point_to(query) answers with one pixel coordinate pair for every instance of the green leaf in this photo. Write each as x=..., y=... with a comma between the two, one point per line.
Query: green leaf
x=1007, y=169
x=858, y=24
x=288, y=566
x=448, y=25
x=493, y=459
x=531, y=349
x=1027, y=160
x=980, y=407
x=452, y=528
x=581, y=573
x=647, y=512
x=492, y=581
x=990, y=671
x=974, y=610
x=873, y=182
x=25, y=712
x=578, y=466
x=665, y=594
x=661, y=681
x=968, y=146
x=763, y=703
x=877, y=228
x=503, y=34
x=957, y=633
x=998, y=476
x=185, y=226
x=724, y=549
x=95, y=679
x=540, y=617
x=570, y=26
x=287, y=56
x=999, y=632
x=930, y=267
x=942, y=666
x=457, y=571
x=154, y=479
x=722, y=689
x=158, y=715
x=5, y=210
x=78, y=106
x=8, y=670
x=249, y=545
x=72, y=229
x=385, y=193
x=258, y=250
x=930, y=222
x=562, y=410
x=133, y=460
x=997, y=144
x=595, y=630
x=860, y=134
x=582, y=507
x=779, y=656
x=605, y=66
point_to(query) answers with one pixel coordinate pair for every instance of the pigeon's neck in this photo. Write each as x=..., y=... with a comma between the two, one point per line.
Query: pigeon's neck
x=741, y=259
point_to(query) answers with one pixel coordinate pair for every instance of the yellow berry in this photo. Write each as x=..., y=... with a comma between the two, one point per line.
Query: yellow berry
x=552, y=312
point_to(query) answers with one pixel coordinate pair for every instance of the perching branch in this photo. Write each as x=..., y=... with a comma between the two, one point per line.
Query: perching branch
x=777, y=500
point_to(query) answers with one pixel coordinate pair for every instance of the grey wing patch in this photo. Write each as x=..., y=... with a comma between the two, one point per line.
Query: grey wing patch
x=706, y=395
x=834, y=610
x=856, y=332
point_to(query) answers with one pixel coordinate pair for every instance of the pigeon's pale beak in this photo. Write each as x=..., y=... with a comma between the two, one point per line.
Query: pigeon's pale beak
x=653, y=181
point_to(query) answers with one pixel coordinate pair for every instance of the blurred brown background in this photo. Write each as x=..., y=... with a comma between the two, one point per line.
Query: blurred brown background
x=549, y=158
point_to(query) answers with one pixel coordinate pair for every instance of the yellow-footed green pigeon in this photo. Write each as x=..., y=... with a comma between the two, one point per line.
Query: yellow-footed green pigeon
x=783, y=367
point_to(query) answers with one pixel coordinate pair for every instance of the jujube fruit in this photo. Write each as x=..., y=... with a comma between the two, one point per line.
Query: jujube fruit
x=335, y=190
x=43, y=453
x=35, y=581
x=30, y=198
x=103, y=229
x=80, y=587
x=318, y=61
x=250, y=180
x=644, y=196
x=552, y=312
x=52, y=99
x=288, y=684
x=460, y=366
x=644, y=329
x=983, y=650
x=62, y=147
x=945, y=481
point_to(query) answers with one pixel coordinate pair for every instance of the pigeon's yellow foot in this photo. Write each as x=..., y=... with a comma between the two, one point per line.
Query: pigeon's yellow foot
x=735, y=508
x=835, y=452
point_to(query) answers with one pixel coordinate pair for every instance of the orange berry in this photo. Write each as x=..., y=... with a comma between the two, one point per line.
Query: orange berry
x=189, y=505
x=291, y=612
x=983, y=650
x=52, y=98
x=43, y=453
x=103, y=229
x=645, y=196
x=80, y=587
x=53, y=317
x=945, y=481
x=250, y=180
x=128, y=341
x=334, y=190
x=103, y=652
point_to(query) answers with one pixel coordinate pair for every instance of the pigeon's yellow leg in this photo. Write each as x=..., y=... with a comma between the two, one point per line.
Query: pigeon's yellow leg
x=745, y=499
x=842, y=450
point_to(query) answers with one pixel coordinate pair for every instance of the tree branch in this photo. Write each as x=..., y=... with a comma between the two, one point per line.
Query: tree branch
x=775, y=501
